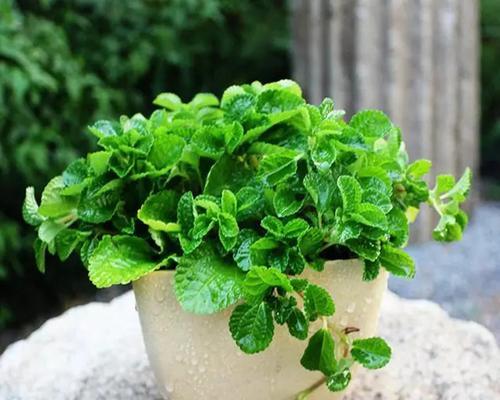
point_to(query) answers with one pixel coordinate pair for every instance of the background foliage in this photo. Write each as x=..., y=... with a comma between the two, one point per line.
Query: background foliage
x=65, y=63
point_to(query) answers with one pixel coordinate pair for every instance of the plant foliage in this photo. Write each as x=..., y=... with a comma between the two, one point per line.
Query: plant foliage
x=240, y=197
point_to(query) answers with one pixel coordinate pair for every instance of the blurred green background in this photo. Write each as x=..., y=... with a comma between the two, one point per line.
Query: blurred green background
x=65, y=63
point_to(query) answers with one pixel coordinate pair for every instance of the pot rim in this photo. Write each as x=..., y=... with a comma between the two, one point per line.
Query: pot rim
x=340, y=260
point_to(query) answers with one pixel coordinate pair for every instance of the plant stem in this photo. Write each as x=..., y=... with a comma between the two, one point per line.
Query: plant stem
x=305, y=393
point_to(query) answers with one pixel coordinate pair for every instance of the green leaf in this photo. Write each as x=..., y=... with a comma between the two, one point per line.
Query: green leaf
x=169, y=101
x=285, y=202
x=378, y=199
x=320, y=187
x=49, y=229
x=252, y=327
x=249, y=202
x=202, y=225
x=259, y=280
x=365, y=248
x=295, y=228
x=54, y=204
x=418, y=168
x=201, y=100
x=371, y=270
x=397, y=262
x=339, y=380
x=98, y=162
x=227, y=173
x=166, y=151
x=228, y=225
x=323, y=153
x=209, y=141
x=398, y=227
x=74, y=176
x=311, y=241
x=351, y=192
x=277, y=167
x=30, y=208
x=372, y=353
x=371, y=123
x=320, y=353
x=317, y=302
x=370, y=215
x=242, y=254
x=99, y=200
x=205, y=283
x=297, y=323
x=273, y=225
x=265, y=243
x=158, y=211
x=40, y=248
x=229, y=203
x=67, y=241
x=186, y=212
x=120, y=260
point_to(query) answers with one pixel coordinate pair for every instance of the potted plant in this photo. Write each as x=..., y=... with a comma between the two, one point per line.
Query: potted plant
x=239, y=221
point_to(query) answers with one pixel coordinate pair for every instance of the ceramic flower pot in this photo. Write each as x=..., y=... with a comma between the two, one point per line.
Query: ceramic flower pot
x=194, y=357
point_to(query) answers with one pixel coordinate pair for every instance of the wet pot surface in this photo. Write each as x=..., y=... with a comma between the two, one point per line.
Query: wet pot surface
x=194, y=356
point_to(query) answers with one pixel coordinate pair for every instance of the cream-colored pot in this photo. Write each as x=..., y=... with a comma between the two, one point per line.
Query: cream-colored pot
x=194, y=357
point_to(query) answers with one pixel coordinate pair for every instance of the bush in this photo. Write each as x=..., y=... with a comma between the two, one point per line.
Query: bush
x=65, y=63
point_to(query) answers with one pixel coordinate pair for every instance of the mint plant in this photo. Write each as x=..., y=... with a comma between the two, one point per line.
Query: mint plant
x=239, y=197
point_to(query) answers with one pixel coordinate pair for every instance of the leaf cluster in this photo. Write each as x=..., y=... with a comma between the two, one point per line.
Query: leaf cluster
x=239, y=196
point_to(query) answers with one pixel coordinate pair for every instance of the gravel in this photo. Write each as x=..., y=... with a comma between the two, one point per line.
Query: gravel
x=463, y=277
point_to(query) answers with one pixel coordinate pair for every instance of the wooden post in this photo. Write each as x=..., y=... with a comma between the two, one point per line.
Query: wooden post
x=415, y=59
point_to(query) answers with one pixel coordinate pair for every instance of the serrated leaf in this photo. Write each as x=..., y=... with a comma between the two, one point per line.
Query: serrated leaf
x=351, y=192
x=365, y=248
x=242, y=255
x=297, y=323
x=371, y=123
x=202, y=225
x=67, y=241
x=30, y=208
x=277, y=167
x=370, y=215
x=339, y=380
x=398, y=227
x=227, y=173
x=120, y=260
x=209, y=141
x=371, y=270
x=205, y=283
x=229, y=203
x=320, y=188
x=228, y=225
x=265, y=243
x=285, y=202
x=323, y=154
x=166, y=151
x=252, y=327
x=378, y=199
x=158, y=211
x=311, y=241
x=319, y=354
x=372, y=353
x=186, y=212
x=273, y=225
x=54, y=204
x=169, y=101
x=74, y=176
x=259, y=280
x=295, y=228
x=317, y=302
x=249, y=202
x=201, y=100
x=418, y=168
x=99, y=200
x=397, y=262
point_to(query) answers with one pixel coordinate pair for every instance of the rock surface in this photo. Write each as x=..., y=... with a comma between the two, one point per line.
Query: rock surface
x=95, y=352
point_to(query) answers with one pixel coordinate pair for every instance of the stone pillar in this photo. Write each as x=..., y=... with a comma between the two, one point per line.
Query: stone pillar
x=415, y=59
